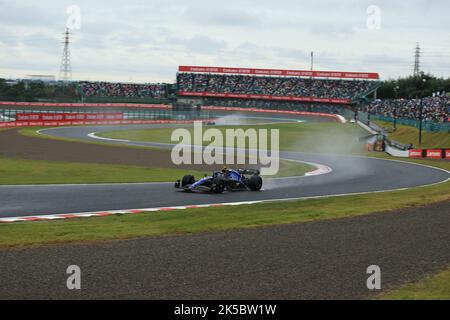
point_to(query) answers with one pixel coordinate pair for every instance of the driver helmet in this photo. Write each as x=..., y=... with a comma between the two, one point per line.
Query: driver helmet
x=224, y=170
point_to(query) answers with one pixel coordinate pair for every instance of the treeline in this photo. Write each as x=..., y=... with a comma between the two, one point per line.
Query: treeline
x=37, y=91
x=413, y=87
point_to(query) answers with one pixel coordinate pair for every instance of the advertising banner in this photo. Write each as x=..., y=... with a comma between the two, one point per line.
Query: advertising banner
x=85, y=105
x=447, y=154
x=285, y=73
x=416, y=153
x=434, y=154
x=64, y=117
x=262, y=97
x=92, y=122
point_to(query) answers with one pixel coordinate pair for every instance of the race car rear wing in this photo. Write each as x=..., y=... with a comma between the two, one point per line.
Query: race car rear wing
x=249, y=172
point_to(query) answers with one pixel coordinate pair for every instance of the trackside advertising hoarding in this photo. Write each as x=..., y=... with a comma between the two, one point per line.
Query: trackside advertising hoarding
x=85, y=105
x=281, y=73
x=261, y=97
x=92, y=122
x=434, y=154
x=68, y=116
x=430, y=153
x=416, y=153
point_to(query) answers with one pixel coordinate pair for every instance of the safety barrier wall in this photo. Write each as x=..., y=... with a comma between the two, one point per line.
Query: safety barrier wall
x=336, y=117
x=47, y=117
x=9, y=113
x=427, y=126
x=19, y=124
x=198, y=115
x=85, y=105
x=429, y=153
x=262, y=97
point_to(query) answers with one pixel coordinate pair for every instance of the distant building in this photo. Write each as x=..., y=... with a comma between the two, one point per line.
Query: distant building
x=43, y=78
x=11, y=82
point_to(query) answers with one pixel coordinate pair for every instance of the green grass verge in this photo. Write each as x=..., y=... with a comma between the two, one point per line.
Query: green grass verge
x=15, y=171
x=51, y=172
x=216, y=219
x=436, y=287
x=21, y=171
x=326, y=137
x=293, y=169
x=407, y=135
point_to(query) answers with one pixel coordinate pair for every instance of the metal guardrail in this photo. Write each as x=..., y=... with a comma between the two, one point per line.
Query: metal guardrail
x=427, y=126
x=9, y=114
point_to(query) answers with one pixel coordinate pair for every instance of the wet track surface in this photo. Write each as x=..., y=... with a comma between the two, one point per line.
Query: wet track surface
x=350, y=174
x=316, y=260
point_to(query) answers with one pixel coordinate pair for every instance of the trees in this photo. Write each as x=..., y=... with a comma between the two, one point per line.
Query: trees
x=413, y=86
x=37, y=90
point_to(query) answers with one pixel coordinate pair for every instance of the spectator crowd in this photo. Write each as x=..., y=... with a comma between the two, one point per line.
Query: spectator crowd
x=434, y=109
x=107, y=89
x=275, y=86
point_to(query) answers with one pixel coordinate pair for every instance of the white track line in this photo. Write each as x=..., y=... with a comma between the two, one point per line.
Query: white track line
x=93, y=135
x=166, y=209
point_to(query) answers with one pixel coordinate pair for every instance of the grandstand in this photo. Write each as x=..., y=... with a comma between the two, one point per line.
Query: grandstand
x=297, y=90
x=275, y=85
x=107, y=89
x=434, y=109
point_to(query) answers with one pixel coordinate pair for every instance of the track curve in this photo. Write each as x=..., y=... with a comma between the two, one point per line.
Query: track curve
x=350, y=175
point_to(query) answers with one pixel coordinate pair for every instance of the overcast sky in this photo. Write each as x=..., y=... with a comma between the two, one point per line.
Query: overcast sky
x=145, y=41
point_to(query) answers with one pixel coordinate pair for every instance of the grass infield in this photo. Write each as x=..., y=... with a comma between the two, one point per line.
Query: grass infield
x=20, y=172
x=326, y=137
x=14, y=171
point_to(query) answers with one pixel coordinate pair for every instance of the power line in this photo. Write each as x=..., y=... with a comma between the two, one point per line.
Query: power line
x=65, y=71
x=417, y=54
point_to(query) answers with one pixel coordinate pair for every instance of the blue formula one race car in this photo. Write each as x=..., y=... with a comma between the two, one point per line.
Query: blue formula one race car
x=225, y=180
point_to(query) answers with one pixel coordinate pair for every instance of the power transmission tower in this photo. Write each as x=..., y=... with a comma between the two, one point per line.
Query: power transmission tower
x=417, y=54
x=65, y=71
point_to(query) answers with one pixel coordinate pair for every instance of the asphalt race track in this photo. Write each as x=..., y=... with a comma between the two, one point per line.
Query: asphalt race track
x=350, y=175
x=316, y=260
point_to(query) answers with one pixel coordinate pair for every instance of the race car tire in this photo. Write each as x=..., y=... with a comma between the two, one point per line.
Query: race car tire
x=255, y=183
x=219, y=185
x=187, y=180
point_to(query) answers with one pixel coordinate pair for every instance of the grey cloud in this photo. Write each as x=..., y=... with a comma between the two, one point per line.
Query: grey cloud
x=157, y=35
x=222, y=17
x=198, y=43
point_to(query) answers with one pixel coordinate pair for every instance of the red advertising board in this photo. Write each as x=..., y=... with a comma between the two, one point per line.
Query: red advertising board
x=58, y=117
x=262, y=97
x=434, y=154
x=416, y=153
x=447, y=154
x=91, y=122
x=85, y=105
x=278, y=72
